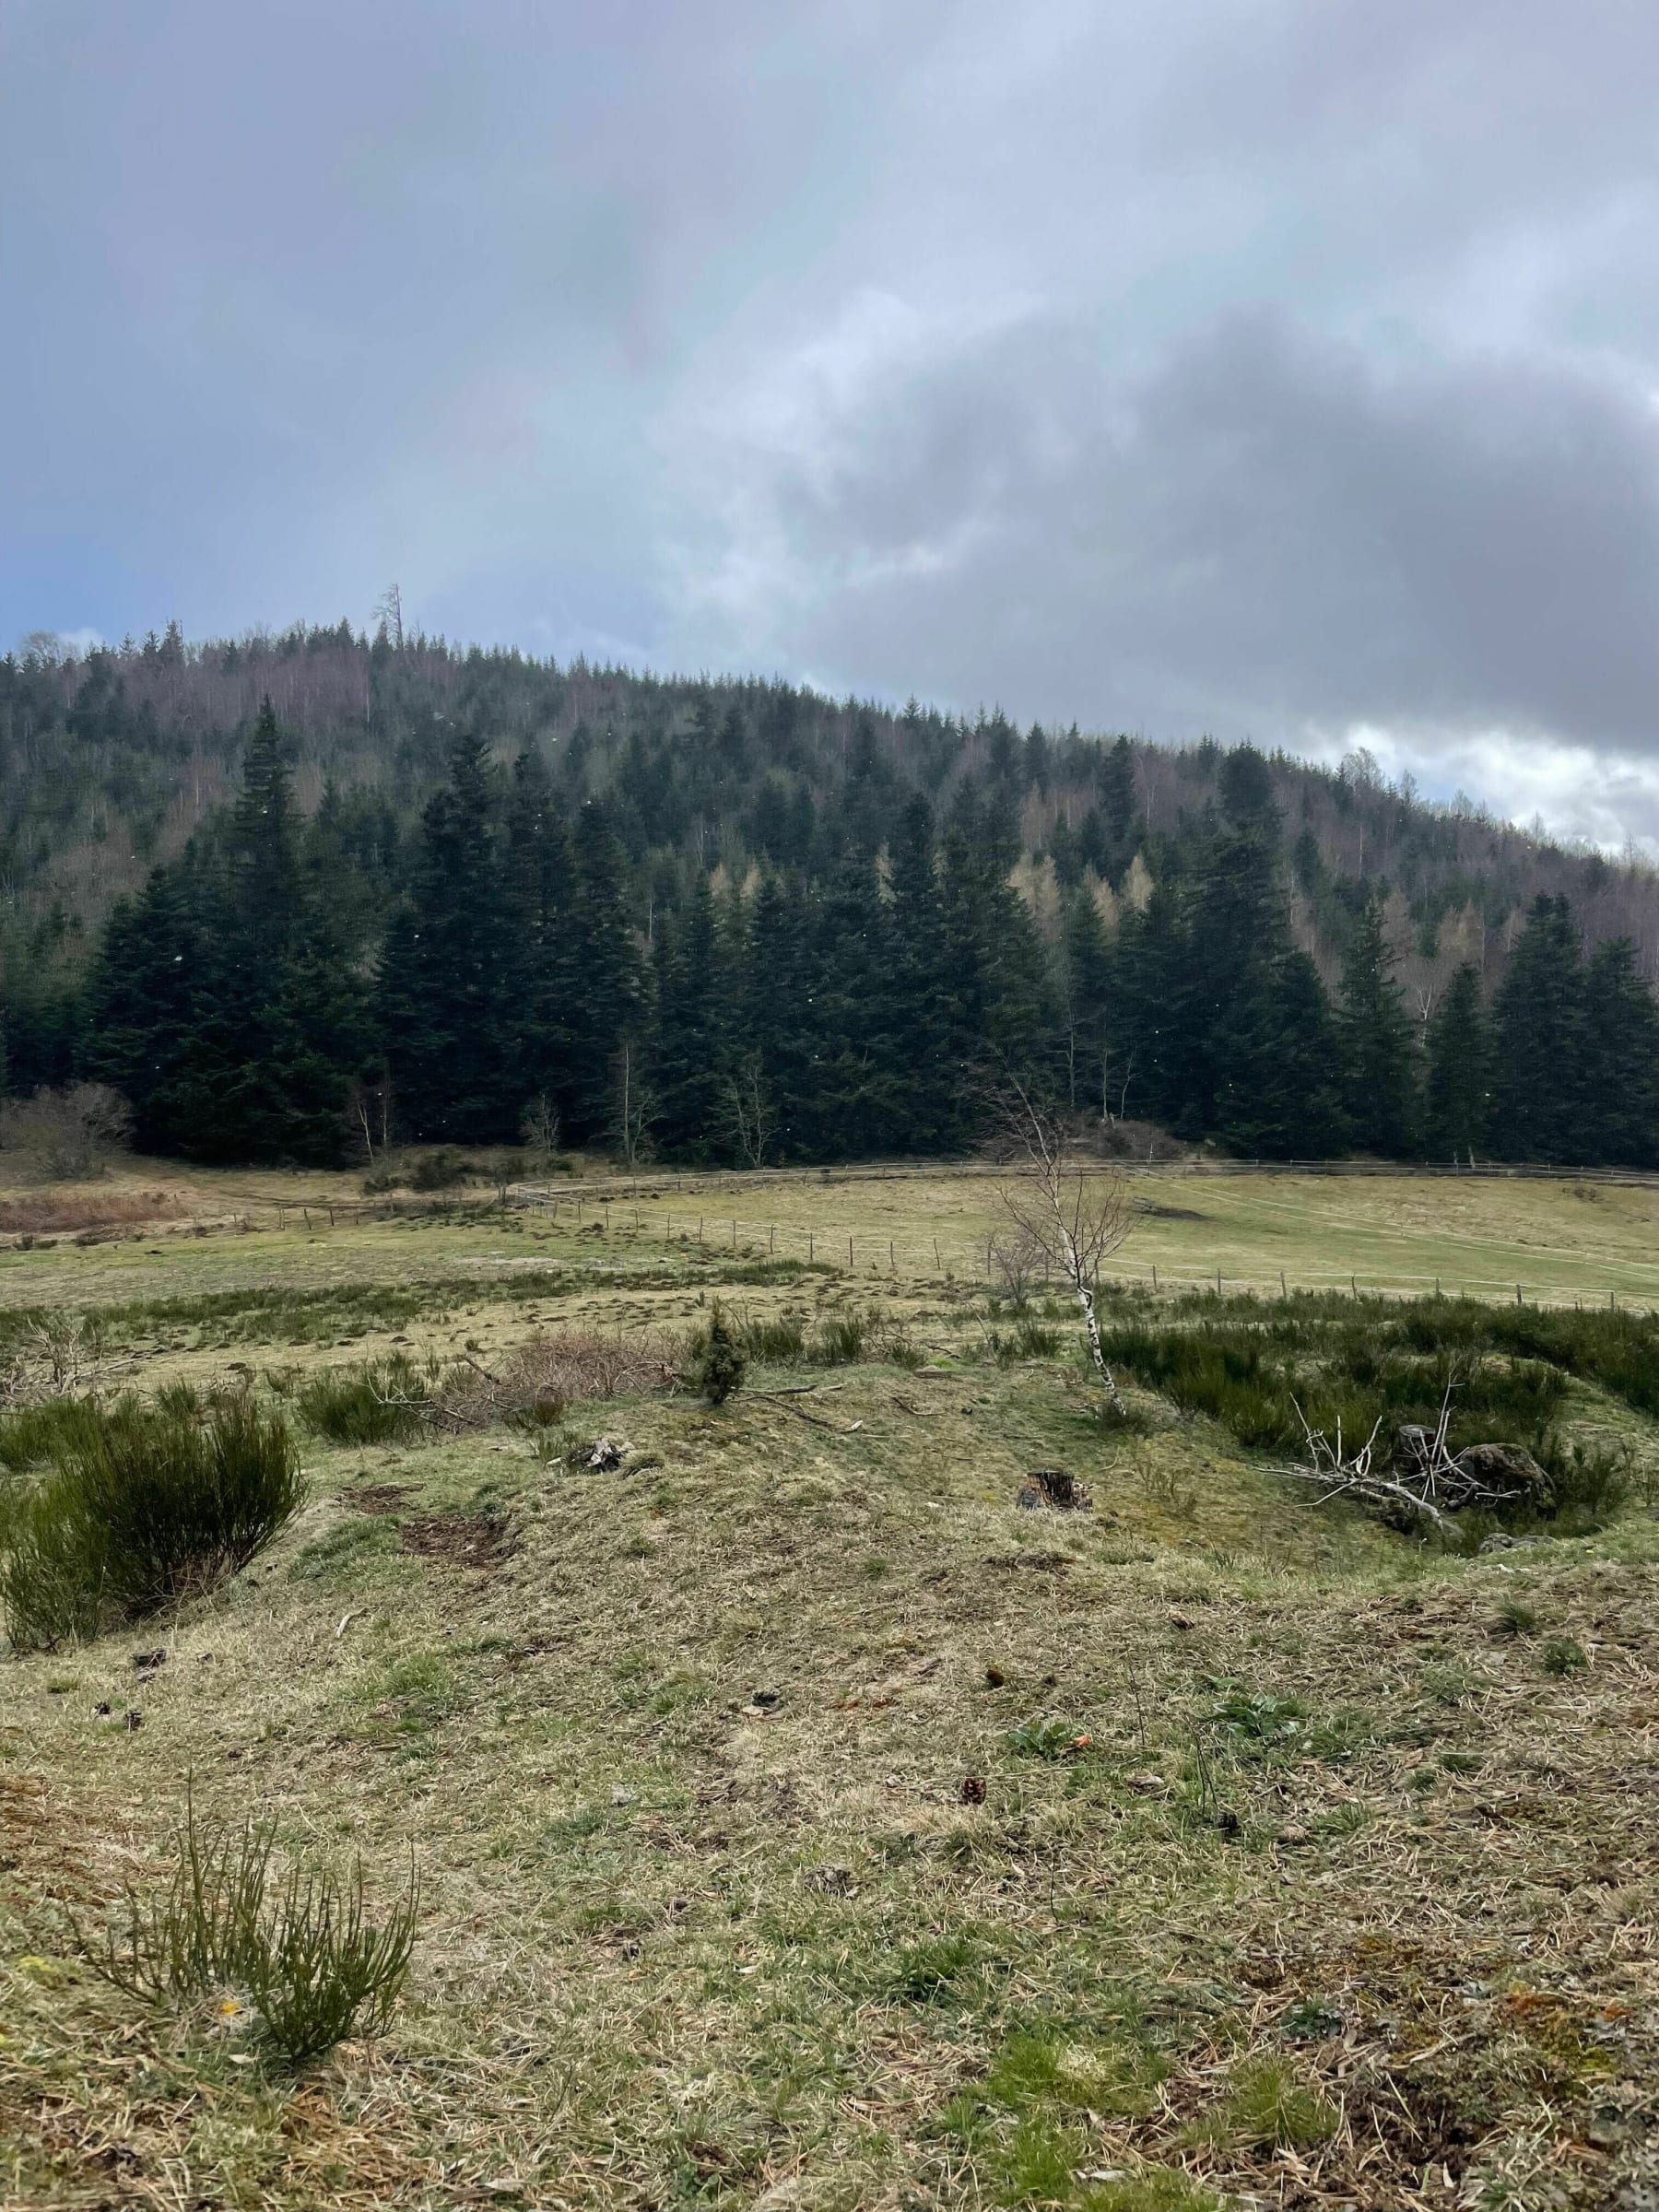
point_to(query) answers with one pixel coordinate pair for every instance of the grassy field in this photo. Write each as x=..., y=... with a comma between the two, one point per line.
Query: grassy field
x=801, y=1822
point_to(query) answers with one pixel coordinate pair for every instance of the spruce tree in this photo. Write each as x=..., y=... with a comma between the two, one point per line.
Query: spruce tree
x=690, y=1054
x=445, y=974
x=1621, y=1067
x=607, y=1001
x=778, y=1019
x=915, y=1016
x=1379, y=1081
x=1095, y=1073
x=1458, y=1091
x=1540, y=1019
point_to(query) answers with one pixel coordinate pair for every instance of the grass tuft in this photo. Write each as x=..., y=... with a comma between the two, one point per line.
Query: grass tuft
x=304, y=1955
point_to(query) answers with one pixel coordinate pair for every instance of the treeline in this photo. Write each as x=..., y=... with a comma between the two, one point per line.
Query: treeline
x=111, y=762
x=309, y=989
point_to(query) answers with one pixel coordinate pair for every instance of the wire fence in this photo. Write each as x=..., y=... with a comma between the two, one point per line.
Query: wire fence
x=675, y=1212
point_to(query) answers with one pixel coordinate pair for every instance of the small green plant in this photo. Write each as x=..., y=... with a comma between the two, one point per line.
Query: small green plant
x=718, y=1361
x=1258, y=1717
x=304, y=1955
x=1267, y=2107
x=1564, y=1655
x=144, y=1508
x=1515, y=1619
x=1049, y=1738
x=928, y=1972
x=382, y=1404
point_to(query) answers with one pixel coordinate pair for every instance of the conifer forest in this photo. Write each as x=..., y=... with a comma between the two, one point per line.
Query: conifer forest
x=301, y=898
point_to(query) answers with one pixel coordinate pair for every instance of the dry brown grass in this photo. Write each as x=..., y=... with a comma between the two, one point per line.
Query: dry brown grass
x=711, y=1919
x=44, y=1213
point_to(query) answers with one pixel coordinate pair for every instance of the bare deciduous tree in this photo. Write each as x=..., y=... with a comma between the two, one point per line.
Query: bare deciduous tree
x=67, y=1136
x=631, y=1126
x=1017, y=1259
x=539, y=1130
x=750, y=1111
x=1072, y=1215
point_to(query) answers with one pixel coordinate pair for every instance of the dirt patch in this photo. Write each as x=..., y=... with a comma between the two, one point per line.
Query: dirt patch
x=380, y=1497
x=477, y=1540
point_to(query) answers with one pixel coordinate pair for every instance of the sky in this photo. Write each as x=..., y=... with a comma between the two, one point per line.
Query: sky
x=1285, y=370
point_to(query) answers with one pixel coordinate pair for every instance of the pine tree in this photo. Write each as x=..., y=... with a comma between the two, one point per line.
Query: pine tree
x=538, y=889
x=1457, y=1103
x=778, y=1020
x=1377, y=1046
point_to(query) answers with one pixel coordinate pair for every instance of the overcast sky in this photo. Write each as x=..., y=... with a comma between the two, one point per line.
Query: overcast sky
x=1285, y=369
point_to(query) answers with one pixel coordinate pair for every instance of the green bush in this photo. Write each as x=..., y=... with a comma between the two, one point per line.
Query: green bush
x=34, y=1435
x=839, y=1341
x=441, y=1170
x=718, y=1361
x=304, y=1955
x=779, y=1337
x=142, y=1509
x=381, y=1404
x=1251, y=1368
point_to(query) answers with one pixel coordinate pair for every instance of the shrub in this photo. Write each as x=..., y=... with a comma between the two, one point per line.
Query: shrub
x=142, y=1509
x=305, y=1957
x=376, y=1405
x=537, y=1383
x=718, y=1363
x=441, y=1170
x=34, y=1435
x=64, y=1135
x=777, y=1336
x=839, y=1341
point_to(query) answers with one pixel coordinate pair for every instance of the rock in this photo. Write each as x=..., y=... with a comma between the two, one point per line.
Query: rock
x=621, y=1796
x=1414, y=1446
x=1506, y=1467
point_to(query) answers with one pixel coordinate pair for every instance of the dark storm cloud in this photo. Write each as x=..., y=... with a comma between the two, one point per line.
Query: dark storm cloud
x=1264, y=529
x=1256, y=365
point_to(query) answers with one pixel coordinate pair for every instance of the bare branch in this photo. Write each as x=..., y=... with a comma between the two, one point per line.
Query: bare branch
x=1072, y=1218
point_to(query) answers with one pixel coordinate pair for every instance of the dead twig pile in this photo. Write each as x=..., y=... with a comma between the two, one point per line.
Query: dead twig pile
x=1425, y=1482
x=540, y=1379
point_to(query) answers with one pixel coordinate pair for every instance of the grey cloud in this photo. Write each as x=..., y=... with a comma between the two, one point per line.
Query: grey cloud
x=1244, y=364
x=1266, y=530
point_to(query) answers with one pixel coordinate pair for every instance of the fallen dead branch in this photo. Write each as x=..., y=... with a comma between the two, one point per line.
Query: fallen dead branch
x=1431, y=1485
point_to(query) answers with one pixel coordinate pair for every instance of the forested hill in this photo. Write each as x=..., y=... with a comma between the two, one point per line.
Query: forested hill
x=433, y=888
